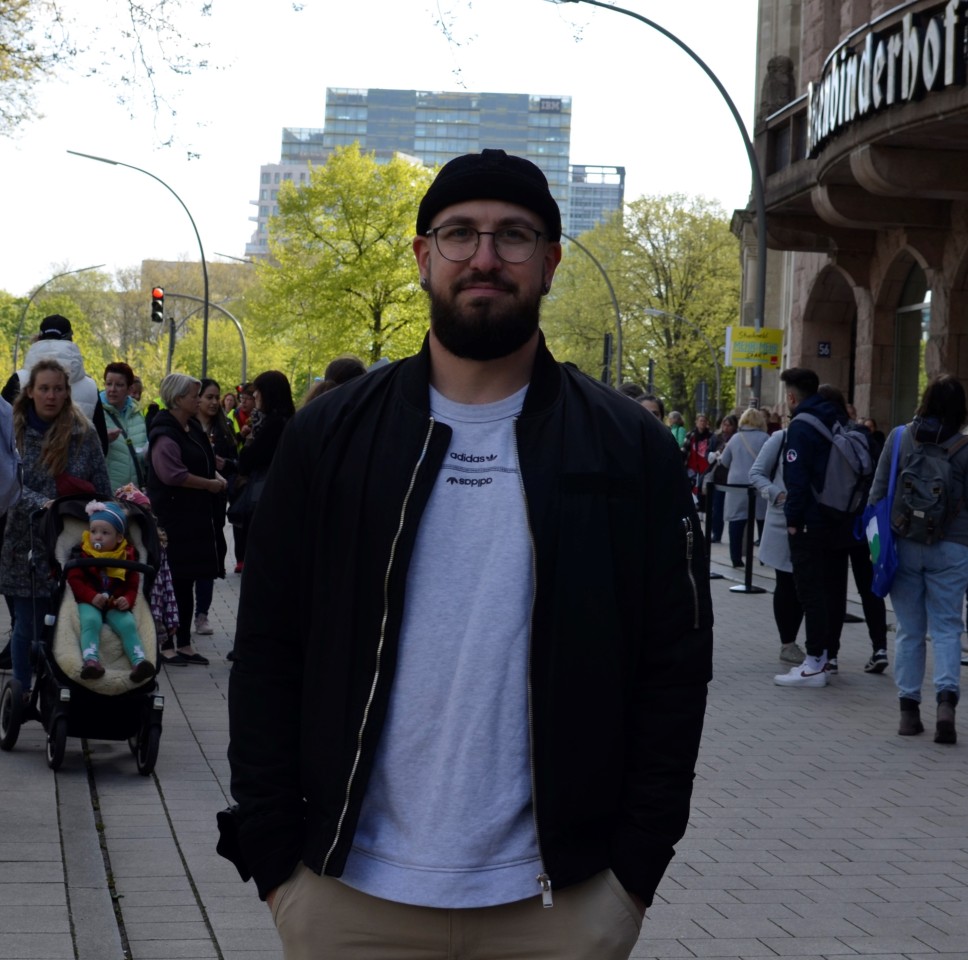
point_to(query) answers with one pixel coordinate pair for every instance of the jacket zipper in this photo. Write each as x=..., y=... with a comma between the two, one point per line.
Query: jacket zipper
x=544, y=881
x=690, y=539
x=379, y=646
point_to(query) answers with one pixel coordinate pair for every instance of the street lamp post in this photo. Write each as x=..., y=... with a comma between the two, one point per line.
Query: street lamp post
x=30, y=299
x=201, y=251
x=222, y=310
x=618, y=312
x=656, y=312
x=758, y=193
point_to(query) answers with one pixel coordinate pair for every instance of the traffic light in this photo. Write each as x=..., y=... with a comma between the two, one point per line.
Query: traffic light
x=158, y=305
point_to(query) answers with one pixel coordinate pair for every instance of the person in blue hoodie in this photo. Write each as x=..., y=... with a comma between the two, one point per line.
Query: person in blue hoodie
x=819, y=542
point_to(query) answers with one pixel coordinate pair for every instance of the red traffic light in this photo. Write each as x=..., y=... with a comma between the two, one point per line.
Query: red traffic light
x=158, y=305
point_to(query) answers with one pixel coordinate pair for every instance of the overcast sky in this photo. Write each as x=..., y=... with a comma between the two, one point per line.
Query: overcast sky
x=637, y=101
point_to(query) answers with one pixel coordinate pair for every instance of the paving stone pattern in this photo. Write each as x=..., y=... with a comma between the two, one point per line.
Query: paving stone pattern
x=816, y=831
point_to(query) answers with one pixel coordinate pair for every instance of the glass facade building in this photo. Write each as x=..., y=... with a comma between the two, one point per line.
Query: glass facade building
x=595, y=193
x=434, y=127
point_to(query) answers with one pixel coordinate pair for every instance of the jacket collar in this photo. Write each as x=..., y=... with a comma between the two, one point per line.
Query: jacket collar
x=542, y=392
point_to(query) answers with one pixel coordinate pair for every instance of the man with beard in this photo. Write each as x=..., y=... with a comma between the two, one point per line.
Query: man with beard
x=475, y=635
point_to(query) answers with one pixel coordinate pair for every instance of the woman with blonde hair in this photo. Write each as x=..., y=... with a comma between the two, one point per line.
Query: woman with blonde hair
x=62, y=455
x=739, y=455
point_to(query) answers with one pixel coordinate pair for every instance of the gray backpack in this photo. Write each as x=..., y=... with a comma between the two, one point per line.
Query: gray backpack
x=850, y=468
x=11, y=469
x=923, y=502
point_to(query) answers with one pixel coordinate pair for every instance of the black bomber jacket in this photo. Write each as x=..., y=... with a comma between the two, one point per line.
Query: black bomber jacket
x=621, y=645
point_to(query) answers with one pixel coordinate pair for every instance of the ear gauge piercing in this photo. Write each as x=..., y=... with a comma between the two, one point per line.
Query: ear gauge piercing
x=546, y=287
x=423, y=282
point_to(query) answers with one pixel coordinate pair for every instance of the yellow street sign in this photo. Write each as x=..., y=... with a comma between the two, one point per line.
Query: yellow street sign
x=749, y=347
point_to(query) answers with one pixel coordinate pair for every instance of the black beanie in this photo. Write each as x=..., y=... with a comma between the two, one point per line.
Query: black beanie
x=491, y=175
x=55, y=327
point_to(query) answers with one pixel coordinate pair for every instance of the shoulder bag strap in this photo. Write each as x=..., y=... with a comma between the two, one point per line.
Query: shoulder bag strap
x=892, y=482
x=124, y=433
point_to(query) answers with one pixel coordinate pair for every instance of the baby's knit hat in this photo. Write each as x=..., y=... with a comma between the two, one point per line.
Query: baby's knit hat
x=113, y=513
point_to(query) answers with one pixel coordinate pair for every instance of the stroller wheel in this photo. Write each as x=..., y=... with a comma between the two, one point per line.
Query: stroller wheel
x=56, y=742
x=149, y=739
x=11, y=713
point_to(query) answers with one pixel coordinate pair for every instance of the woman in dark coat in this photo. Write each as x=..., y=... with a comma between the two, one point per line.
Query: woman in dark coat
x=221, y=437
x=273, y=409
x=185, y=489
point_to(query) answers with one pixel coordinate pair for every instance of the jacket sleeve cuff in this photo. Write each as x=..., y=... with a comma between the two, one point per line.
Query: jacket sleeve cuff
x=640, y=871
x=268, y=863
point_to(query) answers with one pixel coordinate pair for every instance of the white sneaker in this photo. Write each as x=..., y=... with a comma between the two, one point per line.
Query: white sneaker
x=202, y=626
x=801, y=677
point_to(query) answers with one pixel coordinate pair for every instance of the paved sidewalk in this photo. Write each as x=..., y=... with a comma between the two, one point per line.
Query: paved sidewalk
x=816, y=832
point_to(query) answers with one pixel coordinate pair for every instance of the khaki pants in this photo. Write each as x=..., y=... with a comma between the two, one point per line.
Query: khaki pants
x=320, y=918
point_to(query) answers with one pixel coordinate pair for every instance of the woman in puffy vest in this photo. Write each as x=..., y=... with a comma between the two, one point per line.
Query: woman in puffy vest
x=185, y=490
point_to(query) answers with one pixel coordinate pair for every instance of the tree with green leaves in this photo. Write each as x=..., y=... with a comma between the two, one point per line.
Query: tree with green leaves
x=144, y=50
x=675, y=269
x=341, y=277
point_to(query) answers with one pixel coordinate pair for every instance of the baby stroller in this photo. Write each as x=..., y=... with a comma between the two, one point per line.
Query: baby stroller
x=110, y=708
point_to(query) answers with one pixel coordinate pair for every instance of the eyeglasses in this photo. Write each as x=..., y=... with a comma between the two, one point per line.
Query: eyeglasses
x=457, y=242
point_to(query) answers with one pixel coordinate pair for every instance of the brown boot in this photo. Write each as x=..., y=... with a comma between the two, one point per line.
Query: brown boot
x=945, y=732
x=911, y=724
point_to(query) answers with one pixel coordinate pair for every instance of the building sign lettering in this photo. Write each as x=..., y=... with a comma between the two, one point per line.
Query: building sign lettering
x=549, y=105
x=922, y=53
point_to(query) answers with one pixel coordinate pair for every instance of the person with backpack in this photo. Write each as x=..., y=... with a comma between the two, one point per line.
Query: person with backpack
x=931, y=530
x=828, y=471
x=875, y=610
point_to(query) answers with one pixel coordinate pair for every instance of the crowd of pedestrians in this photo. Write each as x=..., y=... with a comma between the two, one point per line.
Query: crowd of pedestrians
x=416, y=579
x=781, y=456
x=185, y=457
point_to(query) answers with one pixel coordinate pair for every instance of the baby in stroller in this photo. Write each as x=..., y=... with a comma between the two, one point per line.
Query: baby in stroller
x=107, y=594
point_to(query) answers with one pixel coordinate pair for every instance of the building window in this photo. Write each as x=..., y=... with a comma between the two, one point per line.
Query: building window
x=912, y=323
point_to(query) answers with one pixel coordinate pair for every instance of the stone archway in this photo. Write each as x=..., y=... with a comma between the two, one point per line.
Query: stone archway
x=902, y=324
x=829, y=325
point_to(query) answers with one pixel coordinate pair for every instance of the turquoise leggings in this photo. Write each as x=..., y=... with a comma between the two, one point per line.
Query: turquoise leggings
x=120, y=621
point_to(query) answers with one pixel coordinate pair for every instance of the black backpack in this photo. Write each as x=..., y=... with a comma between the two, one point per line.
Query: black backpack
x=923, y=505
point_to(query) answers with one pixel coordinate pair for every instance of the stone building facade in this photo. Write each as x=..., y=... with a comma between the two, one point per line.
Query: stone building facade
x=862, y=138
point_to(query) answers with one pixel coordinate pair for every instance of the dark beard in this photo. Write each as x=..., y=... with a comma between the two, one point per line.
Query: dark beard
x=487, y=331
